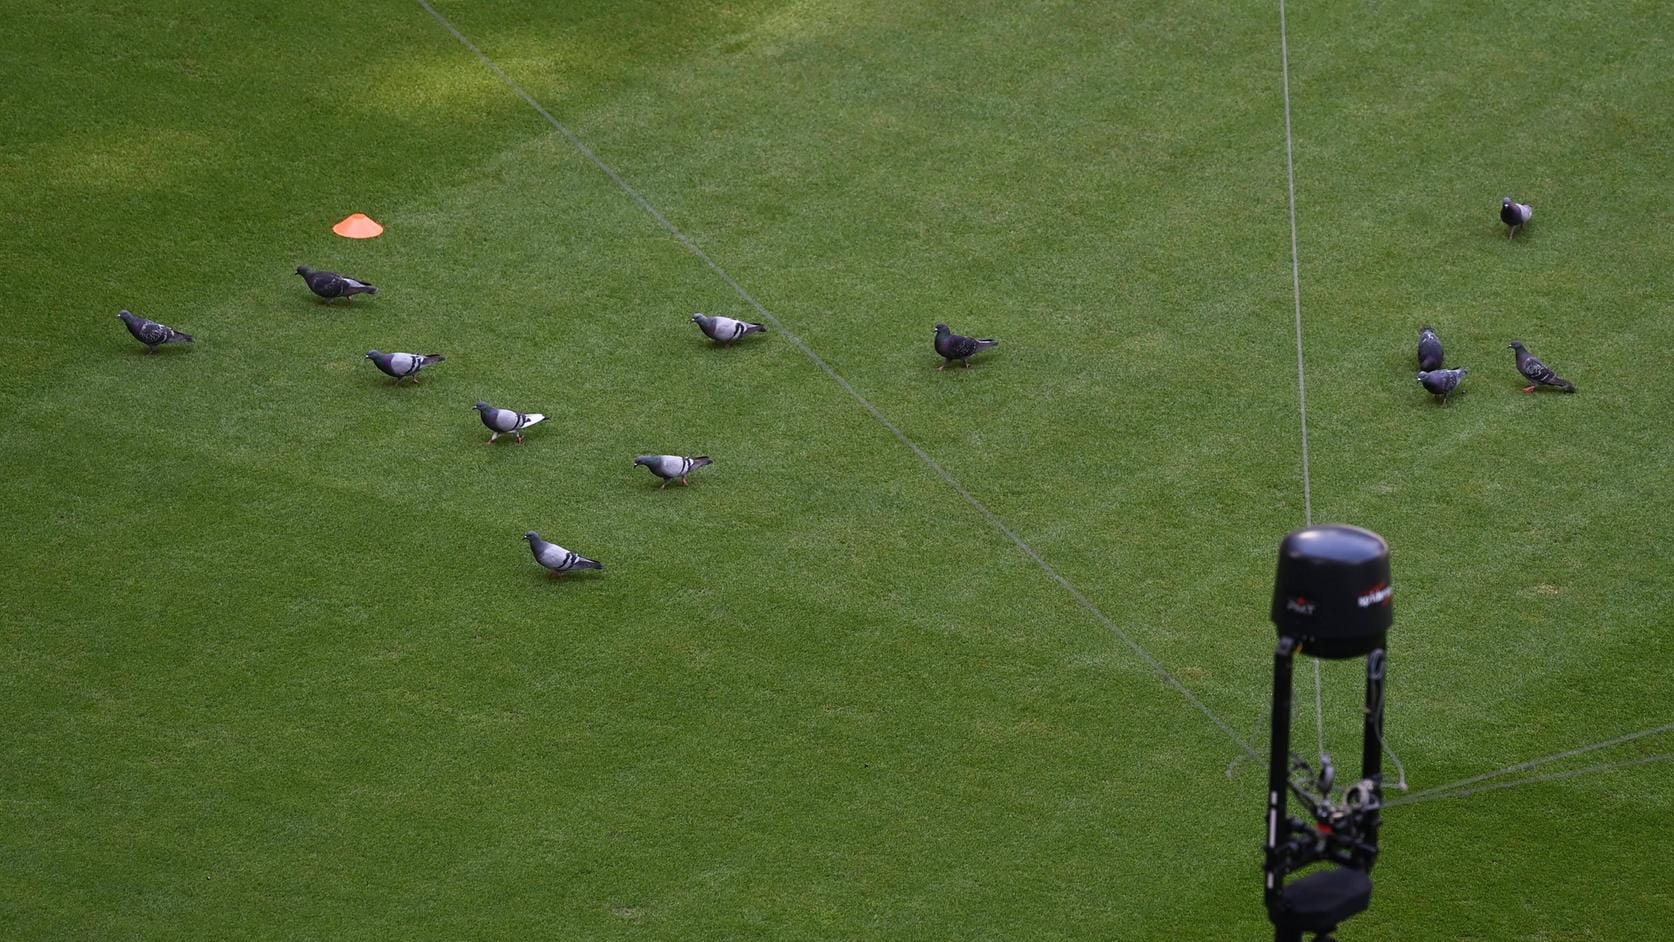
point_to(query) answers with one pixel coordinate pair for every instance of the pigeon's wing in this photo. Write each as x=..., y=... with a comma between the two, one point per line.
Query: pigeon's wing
x=959, y=347
x=151, y=332
x=1529, y=365
x=326, y=284
x=354, y=282
x=554, y=557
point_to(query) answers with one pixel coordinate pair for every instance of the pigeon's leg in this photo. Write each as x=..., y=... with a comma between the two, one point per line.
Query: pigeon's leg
x=415, y=379
x=520, y=438
x=684, y=482
x=1528, y=389
x=967, y=364
x=491, y=437
x=942, y=367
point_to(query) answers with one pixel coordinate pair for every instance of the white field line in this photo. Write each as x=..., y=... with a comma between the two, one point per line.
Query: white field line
x=796, y=341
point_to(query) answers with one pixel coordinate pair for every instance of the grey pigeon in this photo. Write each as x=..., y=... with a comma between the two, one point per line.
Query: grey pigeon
x=556, y=558
x=725, y=330
x=330, y=285
x=672, y=467
x=403, y=365
x=1442, y=382
x=151, y=333
x=952, y=347
x=1538, y=373
x=1514, y=214
x=505, y=421
x=1429, y=349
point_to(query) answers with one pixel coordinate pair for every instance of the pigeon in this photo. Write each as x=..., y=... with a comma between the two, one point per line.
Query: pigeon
x=725, y=330
x=672, y=467
x=403, y=365
x=505, y=421
x=151, y=333
x=1514, y=214
x=330, y=285
x=556, y=558
x=1538, y=373
x=1429, y=349
x=1442, y=382
x=952, y=347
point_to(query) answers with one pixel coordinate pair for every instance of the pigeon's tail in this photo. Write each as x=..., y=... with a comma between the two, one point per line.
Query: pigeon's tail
x=582, y=562
x=361, y=289
x=434, y=358
x=533, y=418
x=1563, y=384
x=754, y=328
x=701, y=460
x=176, y=336
x=986, y=343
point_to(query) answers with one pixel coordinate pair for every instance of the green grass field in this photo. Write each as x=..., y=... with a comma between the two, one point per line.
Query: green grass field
x=277, y=665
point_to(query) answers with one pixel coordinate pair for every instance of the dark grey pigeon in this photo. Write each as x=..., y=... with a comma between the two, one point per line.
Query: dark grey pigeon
x=151, y=333
x=725, y=330
x=403, y=365
x=952, y=347
x=1538, y=373
x=556, y=558
x=1514, y=214
x=673, y=467
x=505, y=421
x=1429, y=349
x=1442, y=382
x=330, y=285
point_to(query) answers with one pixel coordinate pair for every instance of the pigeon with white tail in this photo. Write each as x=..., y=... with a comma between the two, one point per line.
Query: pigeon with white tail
x=505, y=421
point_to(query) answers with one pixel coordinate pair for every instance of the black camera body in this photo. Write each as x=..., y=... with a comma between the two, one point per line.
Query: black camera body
x=1332, y=599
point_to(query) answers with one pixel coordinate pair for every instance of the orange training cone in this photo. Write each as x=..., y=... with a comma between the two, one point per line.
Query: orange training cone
x=358, y=226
